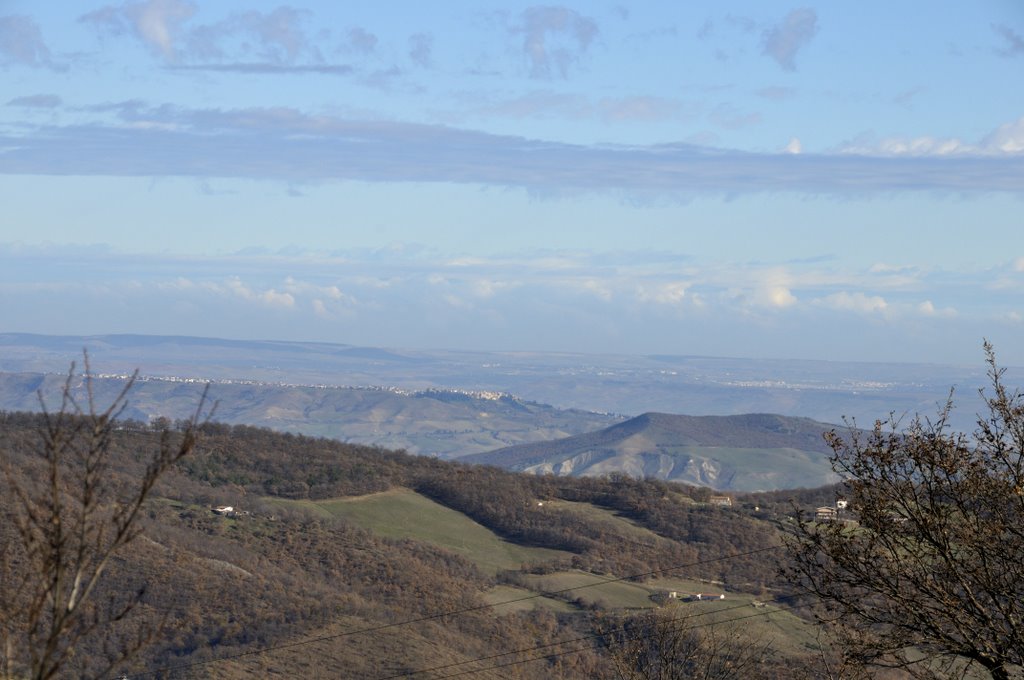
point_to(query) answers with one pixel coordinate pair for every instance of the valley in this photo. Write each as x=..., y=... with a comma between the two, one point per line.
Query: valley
x=477, y=406
x=826, y=391
x=357, y=556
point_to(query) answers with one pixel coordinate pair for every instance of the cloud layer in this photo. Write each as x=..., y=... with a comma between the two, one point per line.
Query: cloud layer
x=557, y=300
x=286, y=144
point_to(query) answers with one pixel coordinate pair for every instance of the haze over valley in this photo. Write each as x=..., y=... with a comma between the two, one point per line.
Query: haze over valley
x=552, y=409
x=518, y=340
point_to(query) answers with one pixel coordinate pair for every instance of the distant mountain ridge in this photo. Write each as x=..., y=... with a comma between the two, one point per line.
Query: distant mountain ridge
x=605, y=383
x=736, y=453
x=437, y=422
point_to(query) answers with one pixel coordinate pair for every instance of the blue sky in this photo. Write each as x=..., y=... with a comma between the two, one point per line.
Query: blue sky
x=759, y=179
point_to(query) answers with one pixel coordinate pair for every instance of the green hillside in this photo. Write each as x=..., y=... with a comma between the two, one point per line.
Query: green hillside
x=358, y=562
x=401, y=513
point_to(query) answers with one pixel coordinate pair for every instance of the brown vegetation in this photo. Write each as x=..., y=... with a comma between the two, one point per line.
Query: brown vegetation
x=272, y=591
x=931, y=580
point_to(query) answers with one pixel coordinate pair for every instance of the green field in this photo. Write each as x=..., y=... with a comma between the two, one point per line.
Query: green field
x=593, y=589
x=402, y=513
x=509, y=599
x=614, y=594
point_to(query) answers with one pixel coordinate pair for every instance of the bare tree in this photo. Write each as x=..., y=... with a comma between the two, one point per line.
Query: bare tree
x=931, y=579
x=71, y=514
x=674, y=644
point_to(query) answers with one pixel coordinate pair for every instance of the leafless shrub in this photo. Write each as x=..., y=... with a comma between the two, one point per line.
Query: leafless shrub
x=932, y=579
x=71, y=515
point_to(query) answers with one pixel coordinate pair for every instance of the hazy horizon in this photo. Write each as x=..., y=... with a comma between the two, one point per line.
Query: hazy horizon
x=764, y=179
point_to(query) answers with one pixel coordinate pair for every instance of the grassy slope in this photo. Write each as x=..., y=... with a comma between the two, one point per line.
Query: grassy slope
x=592, y=589
x=401, y=513
x=509, y=599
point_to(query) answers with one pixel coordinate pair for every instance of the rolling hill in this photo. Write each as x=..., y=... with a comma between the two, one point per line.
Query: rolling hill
x=735, y=453
x=436, y=422
x=631, y=385
x=347, y=561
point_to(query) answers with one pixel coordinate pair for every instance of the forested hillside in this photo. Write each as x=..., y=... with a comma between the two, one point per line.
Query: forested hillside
x=283, y=585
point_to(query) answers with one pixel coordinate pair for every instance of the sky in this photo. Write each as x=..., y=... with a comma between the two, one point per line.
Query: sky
x=838, y=181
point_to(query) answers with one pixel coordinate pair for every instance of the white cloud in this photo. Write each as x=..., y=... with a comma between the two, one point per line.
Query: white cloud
x=885, y=268
x=891, y=277
x=179, y=284
x=296, y=287
x=1018, y=264
x=855, y=302
x=1007, y=139
x=927, y=308
x=456, y=301
x=794, y=146
x=772, y=288
x=594, y=287
x=268, y=297
x=466, y=262
x=778, y=296
x=251, y=41
x=155, y=22
x=486, y=288
x=672, y=293
x=158, y=20
x=921, y=146
x=512, y=301
x=276, y=299
x=327, y=302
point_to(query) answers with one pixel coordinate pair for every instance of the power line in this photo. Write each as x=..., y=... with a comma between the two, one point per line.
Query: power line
x=595, y=636
x=442, y=615
x=520, y=662
x=591, y=637
x=574, y=651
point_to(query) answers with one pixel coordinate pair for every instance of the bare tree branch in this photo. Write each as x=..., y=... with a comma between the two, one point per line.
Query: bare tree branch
x=72, y=515
x=931, y=577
